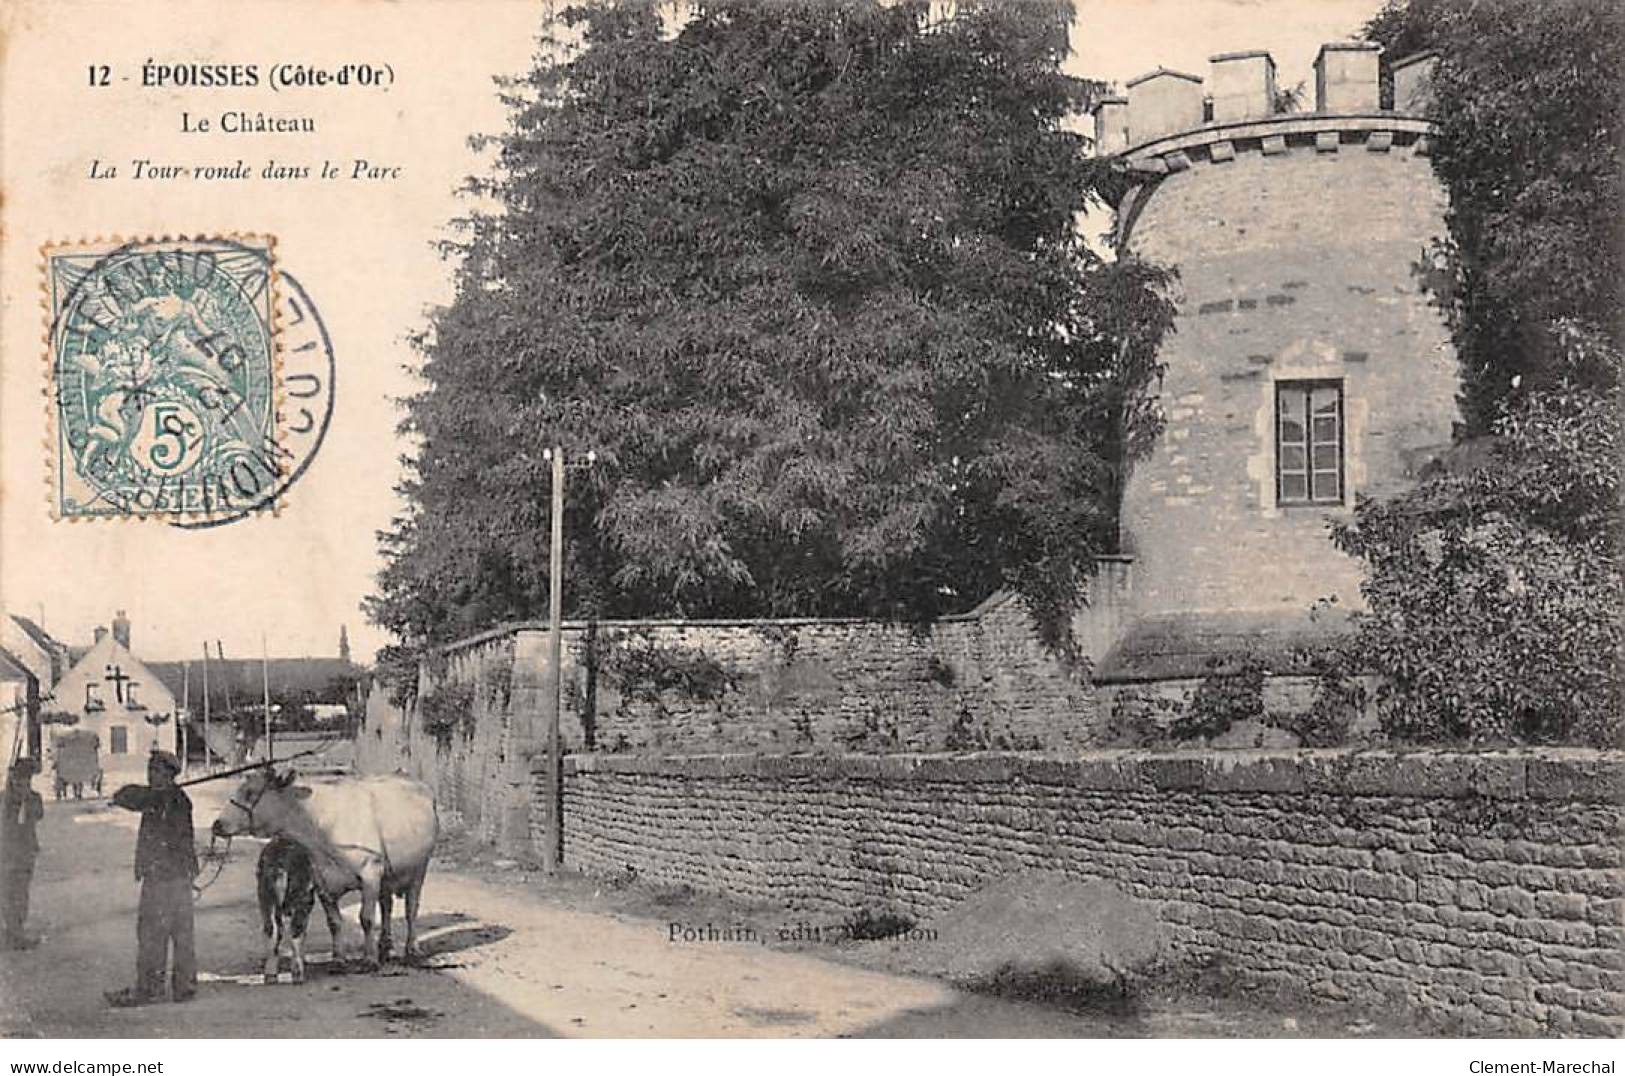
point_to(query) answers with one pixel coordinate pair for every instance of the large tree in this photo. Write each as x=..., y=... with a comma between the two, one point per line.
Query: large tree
x=1526, y=99
x=1495, y=586
x=806, y=277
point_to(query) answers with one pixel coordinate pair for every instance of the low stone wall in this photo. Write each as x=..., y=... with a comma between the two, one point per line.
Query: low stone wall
x=1483, y=888
x=977, y=681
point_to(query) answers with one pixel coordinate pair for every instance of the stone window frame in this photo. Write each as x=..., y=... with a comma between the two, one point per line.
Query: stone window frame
x=1307, y=386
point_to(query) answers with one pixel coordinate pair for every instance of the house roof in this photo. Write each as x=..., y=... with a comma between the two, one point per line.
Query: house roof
x=37, y=633
x=321, y=679
x=61, y=656
x=1187, y=646
x=12, y=668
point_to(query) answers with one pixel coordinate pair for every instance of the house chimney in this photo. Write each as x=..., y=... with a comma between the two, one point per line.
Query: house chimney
x=121, y=629
x=101, y=633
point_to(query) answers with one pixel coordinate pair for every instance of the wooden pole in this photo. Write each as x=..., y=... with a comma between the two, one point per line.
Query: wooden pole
x=225, y=674
x=235, y=770
x=231, y=712
x=184, y=724
x=553, y=840
x=31, y=718
x=208, y=747
x=265, y=686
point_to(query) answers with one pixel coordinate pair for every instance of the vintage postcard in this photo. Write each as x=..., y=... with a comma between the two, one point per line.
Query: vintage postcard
x=927, y=519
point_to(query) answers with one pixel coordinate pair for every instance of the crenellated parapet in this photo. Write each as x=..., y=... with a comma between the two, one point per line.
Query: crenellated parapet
x=1170, y=119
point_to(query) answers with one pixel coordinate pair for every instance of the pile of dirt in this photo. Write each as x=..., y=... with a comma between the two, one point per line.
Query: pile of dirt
x=1041, y=932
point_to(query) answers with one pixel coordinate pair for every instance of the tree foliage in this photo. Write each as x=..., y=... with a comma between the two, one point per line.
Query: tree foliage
x=1526, y=99
x=1494, y=586
x=806, y=278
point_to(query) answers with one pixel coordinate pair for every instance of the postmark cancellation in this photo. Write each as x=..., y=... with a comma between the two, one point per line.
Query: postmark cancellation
x=163, y=378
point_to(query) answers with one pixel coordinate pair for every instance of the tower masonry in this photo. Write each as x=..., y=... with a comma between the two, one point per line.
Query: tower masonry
x=1307, y=366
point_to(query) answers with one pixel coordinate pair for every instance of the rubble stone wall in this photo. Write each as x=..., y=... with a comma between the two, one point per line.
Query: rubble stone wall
x=1484, y=888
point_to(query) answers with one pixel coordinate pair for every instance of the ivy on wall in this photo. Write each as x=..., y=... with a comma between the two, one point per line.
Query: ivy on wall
x=1231, y=694
x=446, y=710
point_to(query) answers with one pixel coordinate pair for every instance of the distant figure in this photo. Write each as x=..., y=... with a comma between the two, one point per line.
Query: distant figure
x=19, y=846
x=165, y=864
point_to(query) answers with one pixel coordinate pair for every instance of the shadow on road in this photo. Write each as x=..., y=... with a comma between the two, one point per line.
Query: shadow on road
x=458, y=940
x=84, y=916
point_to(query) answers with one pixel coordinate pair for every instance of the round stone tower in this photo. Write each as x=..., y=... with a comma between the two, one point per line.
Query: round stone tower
x=1307, y=366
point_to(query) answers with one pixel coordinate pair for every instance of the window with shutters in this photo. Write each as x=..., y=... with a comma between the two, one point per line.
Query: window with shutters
x=1309, y=442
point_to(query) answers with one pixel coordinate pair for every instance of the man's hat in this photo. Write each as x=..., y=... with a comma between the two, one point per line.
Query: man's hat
x=166, y=760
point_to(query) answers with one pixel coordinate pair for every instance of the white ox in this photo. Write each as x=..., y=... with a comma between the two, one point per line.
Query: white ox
x=374, y=834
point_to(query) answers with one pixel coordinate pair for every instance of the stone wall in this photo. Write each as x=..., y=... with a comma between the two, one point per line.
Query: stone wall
x=817, y=684
x=977, y=681
x=1484, y=889
x=477, y=764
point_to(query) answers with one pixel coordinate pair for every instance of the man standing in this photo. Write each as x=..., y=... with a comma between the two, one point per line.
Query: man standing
x=165, y=864
x=19, y=846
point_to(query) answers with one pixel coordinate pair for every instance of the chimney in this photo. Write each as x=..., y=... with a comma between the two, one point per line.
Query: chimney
x=101, y=633
x=1346, y=76
x=1111, y=126
x=1243, y=86
x=1161, y=103
x=121, y=629
x=1413, y=83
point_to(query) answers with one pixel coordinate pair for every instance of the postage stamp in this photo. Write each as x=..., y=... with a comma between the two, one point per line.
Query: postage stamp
x=308, y=375
x=163, y=382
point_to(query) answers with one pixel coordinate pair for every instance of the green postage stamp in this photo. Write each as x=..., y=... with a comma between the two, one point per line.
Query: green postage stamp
x=163, y=381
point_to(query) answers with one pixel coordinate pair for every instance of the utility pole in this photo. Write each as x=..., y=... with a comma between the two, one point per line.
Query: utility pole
x=184, y=725
x=265, y=685
x=553, y=839
x=553, y=833
x=31, y=718
x=208, y=748
x=239, y=735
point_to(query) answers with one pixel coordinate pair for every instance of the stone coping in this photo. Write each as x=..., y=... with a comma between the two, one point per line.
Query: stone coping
x=1155, y=72
x=1414, y=59
x=1547, y=774
x=573, y=626
x=1285, y=125
x=1346, y=46
x=992, y=602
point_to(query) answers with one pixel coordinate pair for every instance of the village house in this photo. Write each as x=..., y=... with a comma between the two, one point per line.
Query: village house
x=114, y=694
x=134, y=706
x=31, y=662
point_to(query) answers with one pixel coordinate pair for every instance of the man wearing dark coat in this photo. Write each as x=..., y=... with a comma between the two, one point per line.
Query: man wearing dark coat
x=165, y=864
x=19, y=846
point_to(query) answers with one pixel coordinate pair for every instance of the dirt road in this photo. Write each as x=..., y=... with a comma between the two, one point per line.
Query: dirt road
x=500, y=961
x=508, y=953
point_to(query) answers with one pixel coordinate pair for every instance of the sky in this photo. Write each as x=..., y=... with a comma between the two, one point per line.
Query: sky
x=361, y=248
x=1117, y=40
